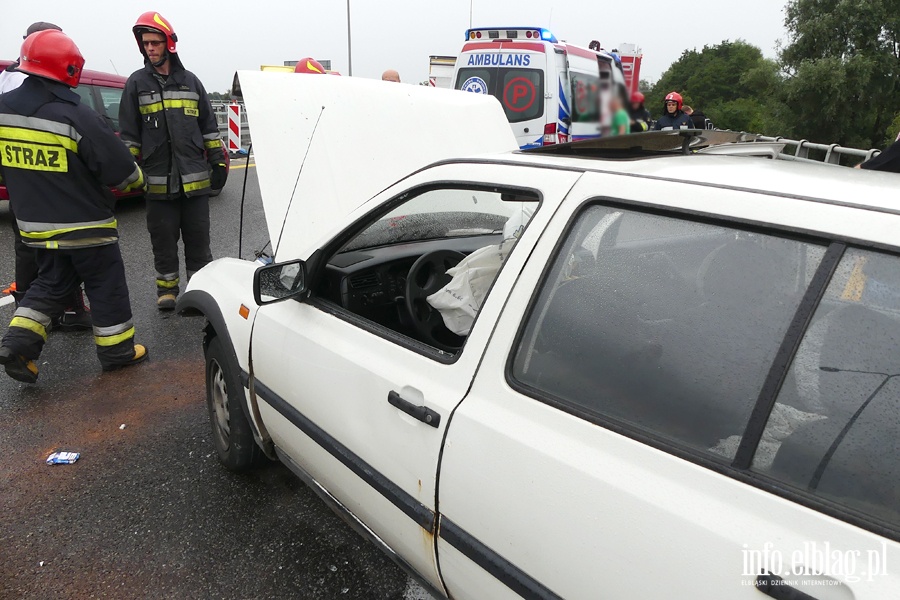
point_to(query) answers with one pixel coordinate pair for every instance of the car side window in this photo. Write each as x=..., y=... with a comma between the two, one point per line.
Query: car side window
x=424, y=268
x=661, y=324
x=111, y=98
x=835, y=428
x=86, y=92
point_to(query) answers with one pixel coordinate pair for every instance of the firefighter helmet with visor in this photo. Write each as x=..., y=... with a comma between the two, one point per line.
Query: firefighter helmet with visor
x=153, y=22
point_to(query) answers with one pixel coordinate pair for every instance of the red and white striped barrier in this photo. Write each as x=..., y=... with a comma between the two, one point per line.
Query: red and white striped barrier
x=234, y=127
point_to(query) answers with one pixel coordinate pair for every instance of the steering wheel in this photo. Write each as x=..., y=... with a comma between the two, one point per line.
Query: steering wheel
x=427, y=275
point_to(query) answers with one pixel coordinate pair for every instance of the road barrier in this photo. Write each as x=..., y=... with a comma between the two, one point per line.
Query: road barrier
x=234, y=127
x=221, y=111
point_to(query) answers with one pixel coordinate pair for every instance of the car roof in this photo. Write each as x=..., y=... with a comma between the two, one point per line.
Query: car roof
x=871, y=190
x=90, y=77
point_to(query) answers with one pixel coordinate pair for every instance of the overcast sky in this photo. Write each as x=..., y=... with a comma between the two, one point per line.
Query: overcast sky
x=217, y=37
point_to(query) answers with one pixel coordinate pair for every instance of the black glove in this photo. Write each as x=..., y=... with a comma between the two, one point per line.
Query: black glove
x=218, y=176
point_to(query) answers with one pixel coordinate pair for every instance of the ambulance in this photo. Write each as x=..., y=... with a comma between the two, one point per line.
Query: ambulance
x=551, y=91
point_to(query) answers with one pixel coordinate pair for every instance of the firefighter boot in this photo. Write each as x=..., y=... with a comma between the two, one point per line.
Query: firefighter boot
x=75, y=318
x=18, y=367
x=140, y=355
x=166, y=302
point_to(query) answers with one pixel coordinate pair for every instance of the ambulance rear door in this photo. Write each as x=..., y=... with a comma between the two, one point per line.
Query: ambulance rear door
x=515, y=73
x=584, y=74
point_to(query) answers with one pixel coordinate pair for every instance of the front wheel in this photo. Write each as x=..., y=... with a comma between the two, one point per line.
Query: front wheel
x=232, y=433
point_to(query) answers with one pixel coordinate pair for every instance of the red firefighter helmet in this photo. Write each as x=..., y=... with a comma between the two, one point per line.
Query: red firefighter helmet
x=674, y=96
x=637, y=97
x=153, y=21
x=53, y=55
x=309, y=65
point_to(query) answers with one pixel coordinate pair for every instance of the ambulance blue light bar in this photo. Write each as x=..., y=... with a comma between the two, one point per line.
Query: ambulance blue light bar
x=511, y=33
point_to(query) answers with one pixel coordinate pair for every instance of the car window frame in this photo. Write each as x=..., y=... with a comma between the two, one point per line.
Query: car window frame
x=317, y=263
x=90, y=91
x=102, y=107
x=739, y=468
x=97, y=100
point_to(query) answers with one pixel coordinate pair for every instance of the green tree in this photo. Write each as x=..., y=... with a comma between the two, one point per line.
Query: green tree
x=843, y=70
x=732, y=83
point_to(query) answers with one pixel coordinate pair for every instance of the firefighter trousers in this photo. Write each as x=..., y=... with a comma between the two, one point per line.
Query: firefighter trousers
x=26, y=265
x=27, y=268
x=167, y=220
x=103, y=272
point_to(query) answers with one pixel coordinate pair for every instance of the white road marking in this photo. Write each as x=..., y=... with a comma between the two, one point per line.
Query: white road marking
x=6, y=300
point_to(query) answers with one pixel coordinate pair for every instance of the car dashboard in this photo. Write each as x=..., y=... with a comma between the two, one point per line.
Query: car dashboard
x=371, y=282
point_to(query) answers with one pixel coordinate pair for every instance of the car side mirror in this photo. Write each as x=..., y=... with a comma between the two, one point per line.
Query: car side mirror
x=279, y=281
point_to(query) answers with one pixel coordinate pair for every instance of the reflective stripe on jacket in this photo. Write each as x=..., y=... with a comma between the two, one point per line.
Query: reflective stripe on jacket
x=169, y=123
x=57, y=158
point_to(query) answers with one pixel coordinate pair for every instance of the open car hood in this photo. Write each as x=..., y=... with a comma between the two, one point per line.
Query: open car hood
x=325, y=145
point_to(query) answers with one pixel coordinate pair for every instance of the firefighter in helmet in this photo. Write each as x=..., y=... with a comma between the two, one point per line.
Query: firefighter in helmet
x=640, y=116
x=166, y=120
x=58, y=158
x=309, y=65
x=673, y=117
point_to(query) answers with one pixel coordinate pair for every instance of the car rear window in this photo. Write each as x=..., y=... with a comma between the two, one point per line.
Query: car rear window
x=835, y=429
x=663, y=325
x=520, y=91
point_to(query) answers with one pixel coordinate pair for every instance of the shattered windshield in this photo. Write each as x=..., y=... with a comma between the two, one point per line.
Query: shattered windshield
x=427, y=226
x=441, y=213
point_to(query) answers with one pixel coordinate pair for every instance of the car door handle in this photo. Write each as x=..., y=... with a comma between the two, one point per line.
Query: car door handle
x=774, y=586
x=422, y=413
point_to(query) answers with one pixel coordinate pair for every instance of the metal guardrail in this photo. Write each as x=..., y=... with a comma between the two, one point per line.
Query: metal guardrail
x=831, y=153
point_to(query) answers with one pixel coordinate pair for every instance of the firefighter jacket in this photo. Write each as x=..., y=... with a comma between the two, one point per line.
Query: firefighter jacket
x=168, y=122
x=58, y=159
x=679, y=120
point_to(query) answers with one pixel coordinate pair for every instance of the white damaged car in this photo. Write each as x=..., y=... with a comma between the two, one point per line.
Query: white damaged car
x=650, y=373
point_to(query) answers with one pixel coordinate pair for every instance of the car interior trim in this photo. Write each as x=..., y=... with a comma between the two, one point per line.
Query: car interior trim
x=414, y=509
x=779, y=368
x=489, y=560
x=705, y=460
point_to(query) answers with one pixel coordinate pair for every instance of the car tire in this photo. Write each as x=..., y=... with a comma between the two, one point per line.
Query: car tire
x=232, y=432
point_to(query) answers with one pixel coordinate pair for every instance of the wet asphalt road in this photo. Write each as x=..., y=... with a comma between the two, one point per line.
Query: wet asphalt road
x=148, y=512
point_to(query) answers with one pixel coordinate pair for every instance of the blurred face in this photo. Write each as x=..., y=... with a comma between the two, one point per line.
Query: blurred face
x=154, y=45
x=671, y=106
x=391, y=75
